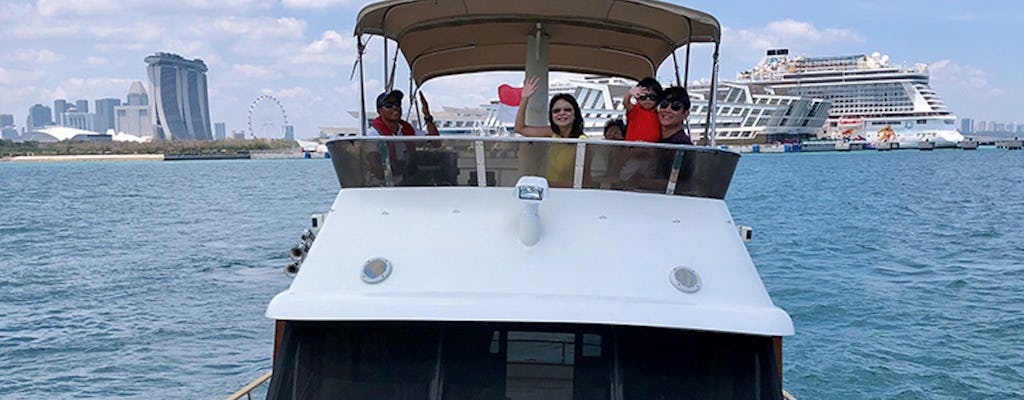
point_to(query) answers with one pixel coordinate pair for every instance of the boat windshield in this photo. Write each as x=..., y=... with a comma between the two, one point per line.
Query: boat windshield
x=518, y=361
x=566, y=163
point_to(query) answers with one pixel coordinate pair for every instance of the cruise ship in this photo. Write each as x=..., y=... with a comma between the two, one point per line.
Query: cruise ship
x=872, y=100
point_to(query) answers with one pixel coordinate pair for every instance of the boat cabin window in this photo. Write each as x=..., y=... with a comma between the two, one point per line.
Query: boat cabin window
x=518, y=361
x=483, y=161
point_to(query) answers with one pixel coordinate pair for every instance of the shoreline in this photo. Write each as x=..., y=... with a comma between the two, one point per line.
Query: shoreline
x=87, y=157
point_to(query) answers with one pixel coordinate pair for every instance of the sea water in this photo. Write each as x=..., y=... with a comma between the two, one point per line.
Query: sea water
x=903, y=271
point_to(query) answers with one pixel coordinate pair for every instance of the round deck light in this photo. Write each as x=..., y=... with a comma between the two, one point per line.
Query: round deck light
x=376, y=270
x=685, y=279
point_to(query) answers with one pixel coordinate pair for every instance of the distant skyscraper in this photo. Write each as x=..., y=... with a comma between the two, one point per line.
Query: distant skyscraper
x=80, y=120
x=105, y=114
x=289, y=132
x=137, y=95
x=135, y=117
x=180, y=101
x=238, y=135
x=219, y=131
x=966, y=126
x=6, y=120
x=38, y=117
x=60, y=106
x=82, y=106
x=9, y=133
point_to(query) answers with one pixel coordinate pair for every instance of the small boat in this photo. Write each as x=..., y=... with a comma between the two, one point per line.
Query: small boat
x=457, y=267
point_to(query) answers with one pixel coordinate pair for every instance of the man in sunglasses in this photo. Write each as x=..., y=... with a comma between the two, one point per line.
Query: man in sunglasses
x=673, y=109
x=641, y=117
x=389, y=117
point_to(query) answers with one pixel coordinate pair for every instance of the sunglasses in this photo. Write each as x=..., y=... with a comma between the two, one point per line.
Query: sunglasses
x=391, y=104
x=652, y=97
x=676, y=105
x=561, y=110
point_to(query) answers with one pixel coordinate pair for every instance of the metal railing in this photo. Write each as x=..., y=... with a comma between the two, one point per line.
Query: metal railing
x=246, y=391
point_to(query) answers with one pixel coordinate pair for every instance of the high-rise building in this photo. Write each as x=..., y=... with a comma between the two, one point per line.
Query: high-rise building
x=219, y=131
x=38, y=117
x=137, y=95
x=6, y=120
x=105, y=114
x=289, y=132
x=8, y=133
x=60, y=106
x=966, y=126
x=82, y=106
x=80, y=120
x=134, y=118
x=238, y=135
x=180, y=101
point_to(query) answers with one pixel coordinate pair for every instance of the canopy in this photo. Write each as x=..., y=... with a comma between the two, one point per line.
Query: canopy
x=628, y=38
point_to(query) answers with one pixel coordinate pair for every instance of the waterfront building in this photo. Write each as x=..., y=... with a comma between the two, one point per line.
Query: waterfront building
x=105, y=114
x=219, y=131
x=133, y=120
x=181, y=108
x=238, y=135
x=966, y=126
x=6, y=120
x=38, y=117
x=60, y=106
x=137, y=95
x=8, y=133
x=80, y=120
x=82, y=105
x=289, y=132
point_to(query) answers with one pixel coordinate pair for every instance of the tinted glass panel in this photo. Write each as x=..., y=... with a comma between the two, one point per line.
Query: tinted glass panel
x=518, y=361
x=610, y=165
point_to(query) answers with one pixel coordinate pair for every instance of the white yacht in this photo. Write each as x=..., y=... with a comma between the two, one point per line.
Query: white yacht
x=511, y=268
x=871, y=99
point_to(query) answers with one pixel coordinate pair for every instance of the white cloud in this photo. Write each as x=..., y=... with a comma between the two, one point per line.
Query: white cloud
x=35, y=56
x=786, y=33
x=95, y=61
x=946, y=72
x=318, y=4
x=250, y=28
x=257, y=72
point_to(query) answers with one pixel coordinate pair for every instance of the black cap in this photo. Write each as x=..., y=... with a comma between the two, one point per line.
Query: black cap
x=397, y=94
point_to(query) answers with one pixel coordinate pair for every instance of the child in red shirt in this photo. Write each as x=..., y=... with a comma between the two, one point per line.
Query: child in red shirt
x=641, y=117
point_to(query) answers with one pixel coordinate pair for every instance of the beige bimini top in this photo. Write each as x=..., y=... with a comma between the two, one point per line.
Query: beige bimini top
x=628, y=38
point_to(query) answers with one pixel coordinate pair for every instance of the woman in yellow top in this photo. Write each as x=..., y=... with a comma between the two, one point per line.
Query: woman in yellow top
x=566, y=121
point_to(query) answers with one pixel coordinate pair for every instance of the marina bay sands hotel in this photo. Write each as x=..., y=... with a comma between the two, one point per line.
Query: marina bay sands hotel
x=180, y=104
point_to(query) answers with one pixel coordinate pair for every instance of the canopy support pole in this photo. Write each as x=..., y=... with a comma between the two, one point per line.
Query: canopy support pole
x=537, y=65
x=360, y=48
x=709, y=129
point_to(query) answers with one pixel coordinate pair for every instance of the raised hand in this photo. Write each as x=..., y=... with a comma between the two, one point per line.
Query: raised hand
x=636, y=91
x=425, y=107
x=530, y=86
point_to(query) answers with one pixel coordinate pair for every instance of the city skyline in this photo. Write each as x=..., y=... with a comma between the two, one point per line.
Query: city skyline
x=302, y=52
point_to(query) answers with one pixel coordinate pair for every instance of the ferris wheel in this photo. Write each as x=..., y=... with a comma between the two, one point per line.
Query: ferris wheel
x=267, y=117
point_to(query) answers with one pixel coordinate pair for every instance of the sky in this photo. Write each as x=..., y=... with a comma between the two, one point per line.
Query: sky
x=302, y=52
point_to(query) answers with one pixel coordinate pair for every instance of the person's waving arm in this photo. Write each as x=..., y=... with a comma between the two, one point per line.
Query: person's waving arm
x=529, y=87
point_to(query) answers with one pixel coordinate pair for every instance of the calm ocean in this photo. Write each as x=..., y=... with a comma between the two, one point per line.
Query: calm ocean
x=903, y=271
